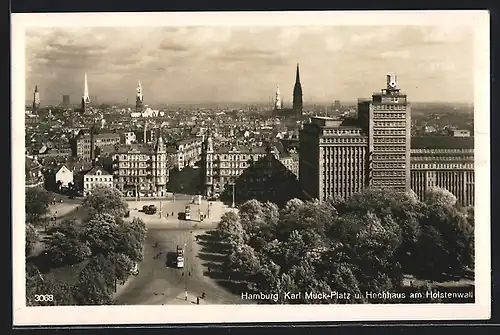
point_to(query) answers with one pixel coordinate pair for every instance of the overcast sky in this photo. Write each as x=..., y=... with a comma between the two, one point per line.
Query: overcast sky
x=220, y=64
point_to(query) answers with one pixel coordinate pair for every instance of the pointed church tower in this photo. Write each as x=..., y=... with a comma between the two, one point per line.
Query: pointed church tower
x=36, y=99
x=85, y=96
x=139, y=100
x=297, y=94
x=277, y=101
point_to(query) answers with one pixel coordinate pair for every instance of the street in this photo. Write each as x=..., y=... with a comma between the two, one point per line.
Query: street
x=158, y=283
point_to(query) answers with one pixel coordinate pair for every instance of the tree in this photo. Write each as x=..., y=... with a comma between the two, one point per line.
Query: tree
x=66, y=250
x=36, y=204
x=440, y=196
x=405, y=210
x=244, y=259
x=102, y=233
x=105, y=200
x=447, y=242
x=230, y=229
x=32, y=237
x=95, y=284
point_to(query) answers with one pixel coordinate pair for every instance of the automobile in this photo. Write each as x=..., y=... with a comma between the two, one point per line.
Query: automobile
x=135, y=269
x=149, y=209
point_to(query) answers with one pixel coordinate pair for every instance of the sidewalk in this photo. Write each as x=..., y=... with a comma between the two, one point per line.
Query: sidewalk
x=181, y=300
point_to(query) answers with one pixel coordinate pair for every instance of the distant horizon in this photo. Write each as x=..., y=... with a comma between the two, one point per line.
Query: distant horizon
x=260, y=103
x=232, y=64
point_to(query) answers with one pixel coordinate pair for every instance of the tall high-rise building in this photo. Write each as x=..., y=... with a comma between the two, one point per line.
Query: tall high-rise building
x=297, y=94
x=65, y=100
x=340, y=157
x=332, y=159
x=36, y=99
x=386, y=118
x=139, y=100
x=277, y=101
x=85, y=96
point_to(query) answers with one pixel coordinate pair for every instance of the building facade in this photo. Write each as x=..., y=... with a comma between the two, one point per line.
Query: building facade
x=222, y=165
x=57, y=177
x=386, y=118
x=333, y=159
x=141, y=169
x=83, y=146
x=446, y=162
x=33, y=173
x=95, y=177
x=185, y=152
x=128, y=137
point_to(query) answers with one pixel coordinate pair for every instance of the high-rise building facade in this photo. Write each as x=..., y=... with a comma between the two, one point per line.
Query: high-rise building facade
x=139, y=100
x=386, y=118
x=85, y=96
x=446, y=162
x=141, y=169
x=297, y=95
x=65, y=100
x=36, y=99
x=332, y=159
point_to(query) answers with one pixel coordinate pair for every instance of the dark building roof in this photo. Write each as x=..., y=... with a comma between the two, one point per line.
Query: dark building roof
x=442, y=142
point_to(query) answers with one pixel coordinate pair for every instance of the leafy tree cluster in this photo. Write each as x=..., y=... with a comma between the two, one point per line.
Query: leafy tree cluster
x=363, y=244
x=105, y=244
x=36, y=205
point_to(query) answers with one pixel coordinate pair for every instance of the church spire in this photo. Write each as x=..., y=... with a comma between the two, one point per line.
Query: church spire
x=277, y=101
x=139, y=99
x=36, y=99
x=297, y=75
x=85, y=96
x=297, y=94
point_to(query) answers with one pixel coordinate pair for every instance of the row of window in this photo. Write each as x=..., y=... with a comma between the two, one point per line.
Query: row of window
x=388, y=124
x=389, y=115
x=389, y=140
x=100, y=179
x=388, y=182
x=388, y=166
x=441, y=158
x=391, y=148
x=435, y=151
x=233, y=157
x=388, y=174
x=389, y=132
x=361, y=140
x=382, y=157
x=341, y=131
x=443, y=166
x=389, y=107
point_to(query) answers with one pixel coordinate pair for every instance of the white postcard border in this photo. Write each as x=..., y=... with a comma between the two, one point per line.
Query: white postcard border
x=88, y=315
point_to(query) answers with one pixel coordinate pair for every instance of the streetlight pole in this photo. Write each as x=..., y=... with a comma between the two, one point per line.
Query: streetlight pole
x=233, y=194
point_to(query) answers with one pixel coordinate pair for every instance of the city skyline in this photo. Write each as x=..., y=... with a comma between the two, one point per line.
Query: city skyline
x=244, y=64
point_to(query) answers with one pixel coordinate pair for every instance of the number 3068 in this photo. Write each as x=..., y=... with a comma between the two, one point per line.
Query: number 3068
x=44, y=297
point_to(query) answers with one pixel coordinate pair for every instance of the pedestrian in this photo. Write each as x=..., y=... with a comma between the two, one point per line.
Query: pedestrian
x=197, y=300
x=186, y=295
